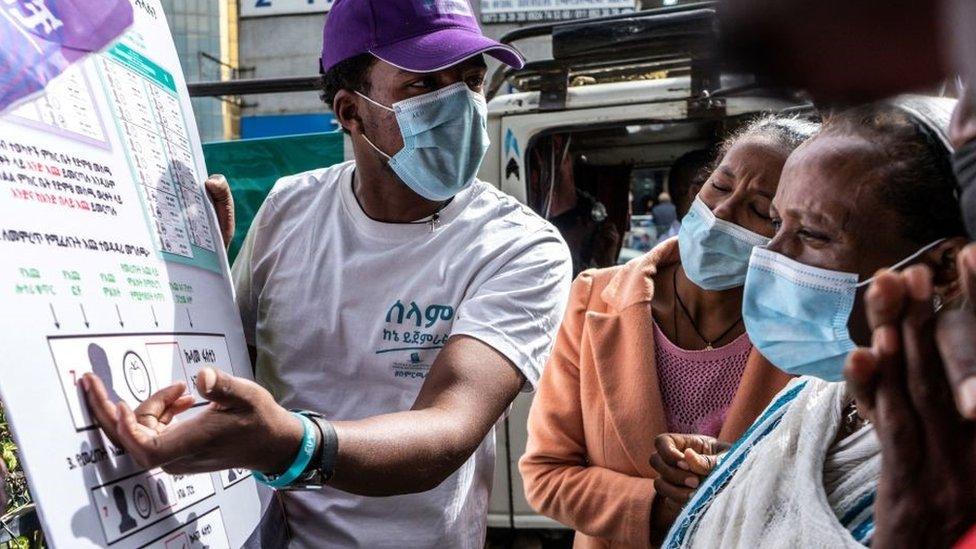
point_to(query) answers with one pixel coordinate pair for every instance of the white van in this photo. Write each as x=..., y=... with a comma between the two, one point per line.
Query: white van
x=621, y=99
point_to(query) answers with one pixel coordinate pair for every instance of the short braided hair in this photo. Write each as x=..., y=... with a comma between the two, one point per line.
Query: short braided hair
x=916, y=170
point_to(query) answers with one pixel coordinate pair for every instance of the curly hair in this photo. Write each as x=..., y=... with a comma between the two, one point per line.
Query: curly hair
x=788, y=131
x=916, y=170
x=351, y=74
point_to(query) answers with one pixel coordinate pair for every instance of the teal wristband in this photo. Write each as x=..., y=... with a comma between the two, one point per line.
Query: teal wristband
x=305, y=453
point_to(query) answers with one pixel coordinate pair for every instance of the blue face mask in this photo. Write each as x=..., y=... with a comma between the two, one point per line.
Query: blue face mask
x=796, y=315
x=445, y=138
x=715, y=253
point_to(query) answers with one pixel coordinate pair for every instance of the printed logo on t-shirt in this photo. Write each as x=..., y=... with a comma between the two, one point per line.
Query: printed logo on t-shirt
x=447, y=7
x=413, y=335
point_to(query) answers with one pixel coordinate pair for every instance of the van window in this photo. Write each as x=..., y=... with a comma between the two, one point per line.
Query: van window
x=602, y=188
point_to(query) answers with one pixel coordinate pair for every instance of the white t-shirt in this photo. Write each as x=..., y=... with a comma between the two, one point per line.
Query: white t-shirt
x=348, y=314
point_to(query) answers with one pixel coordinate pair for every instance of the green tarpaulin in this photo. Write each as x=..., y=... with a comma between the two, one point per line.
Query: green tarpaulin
x=253, y=165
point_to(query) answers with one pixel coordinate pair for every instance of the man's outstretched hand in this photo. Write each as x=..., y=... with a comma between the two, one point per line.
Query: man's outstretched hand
x=150, y=420
x=926, y=494
x=241, y=427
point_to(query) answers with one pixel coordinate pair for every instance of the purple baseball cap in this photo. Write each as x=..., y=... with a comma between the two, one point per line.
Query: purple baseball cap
x=414, y=35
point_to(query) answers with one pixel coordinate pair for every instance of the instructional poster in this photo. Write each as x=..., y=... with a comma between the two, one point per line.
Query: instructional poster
x=113, y=264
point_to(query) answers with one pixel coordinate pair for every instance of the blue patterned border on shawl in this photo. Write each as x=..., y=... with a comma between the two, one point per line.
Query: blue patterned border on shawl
x=726, y=469
x=859, y=519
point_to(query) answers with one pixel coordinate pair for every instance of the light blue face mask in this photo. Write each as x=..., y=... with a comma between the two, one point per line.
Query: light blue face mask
x=714, y=252
x=796, y=315
x=445, y=138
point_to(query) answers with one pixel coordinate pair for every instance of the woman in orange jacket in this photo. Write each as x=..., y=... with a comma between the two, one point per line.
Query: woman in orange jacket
x=657, y=346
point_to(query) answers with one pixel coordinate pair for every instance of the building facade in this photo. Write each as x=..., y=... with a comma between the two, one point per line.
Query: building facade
x=205, y=35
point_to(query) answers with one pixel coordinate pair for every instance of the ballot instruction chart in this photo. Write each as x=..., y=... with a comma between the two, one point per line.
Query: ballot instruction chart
x=112, y=264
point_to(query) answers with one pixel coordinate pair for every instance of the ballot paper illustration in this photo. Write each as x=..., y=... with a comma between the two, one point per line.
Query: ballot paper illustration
x=112, y=265
x=42, y=38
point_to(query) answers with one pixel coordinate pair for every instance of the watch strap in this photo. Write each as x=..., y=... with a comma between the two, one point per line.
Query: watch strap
x=329, y=448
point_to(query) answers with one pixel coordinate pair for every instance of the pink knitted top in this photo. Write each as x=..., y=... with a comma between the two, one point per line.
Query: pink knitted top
x=697, y=387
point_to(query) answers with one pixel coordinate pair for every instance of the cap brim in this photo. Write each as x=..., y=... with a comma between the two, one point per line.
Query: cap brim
x=445, y=48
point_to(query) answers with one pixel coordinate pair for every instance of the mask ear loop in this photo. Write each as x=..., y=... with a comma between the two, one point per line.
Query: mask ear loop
x=382, y=106
x=906, y=261
x=377, y=149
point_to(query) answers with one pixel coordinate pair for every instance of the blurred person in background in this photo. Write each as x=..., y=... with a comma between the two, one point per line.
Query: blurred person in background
x=665, y=214
x=685, y=179
x=584, y=222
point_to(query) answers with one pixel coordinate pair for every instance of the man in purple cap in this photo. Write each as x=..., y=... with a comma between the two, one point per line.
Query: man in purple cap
x=399, y=300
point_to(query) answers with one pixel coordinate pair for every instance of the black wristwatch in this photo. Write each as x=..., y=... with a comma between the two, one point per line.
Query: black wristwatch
x=322, y=466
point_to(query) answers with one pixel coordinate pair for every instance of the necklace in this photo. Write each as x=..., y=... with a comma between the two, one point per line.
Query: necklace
x=709, y=345
x=433, y=219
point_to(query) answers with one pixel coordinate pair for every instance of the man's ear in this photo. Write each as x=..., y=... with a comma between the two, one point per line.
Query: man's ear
x=346, y=109
x=942, y=260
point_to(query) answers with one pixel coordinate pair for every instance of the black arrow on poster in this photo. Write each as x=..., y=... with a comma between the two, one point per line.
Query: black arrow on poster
x=119, y=313
x=56, y=323
x=84, y=315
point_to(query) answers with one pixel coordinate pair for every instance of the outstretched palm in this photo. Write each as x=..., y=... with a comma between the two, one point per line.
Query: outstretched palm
x=147, y=422
x=240, y=427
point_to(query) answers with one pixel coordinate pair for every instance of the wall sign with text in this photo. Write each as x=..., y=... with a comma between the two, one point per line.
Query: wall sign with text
x=516, y=11
x=260, y=8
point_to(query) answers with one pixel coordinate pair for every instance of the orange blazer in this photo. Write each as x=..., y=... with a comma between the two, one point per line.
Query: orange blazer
x=598, y=408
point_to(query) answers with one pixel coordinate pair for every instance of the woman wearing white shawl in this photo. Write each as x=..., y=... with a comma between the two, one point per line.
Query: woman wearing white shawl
x=873, y=190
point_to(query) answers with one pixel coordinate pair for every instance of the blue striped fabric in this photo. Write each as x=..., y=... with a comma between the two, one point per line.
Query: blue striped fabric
x=859, y=519
x=726, y=469
x=864, y=531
